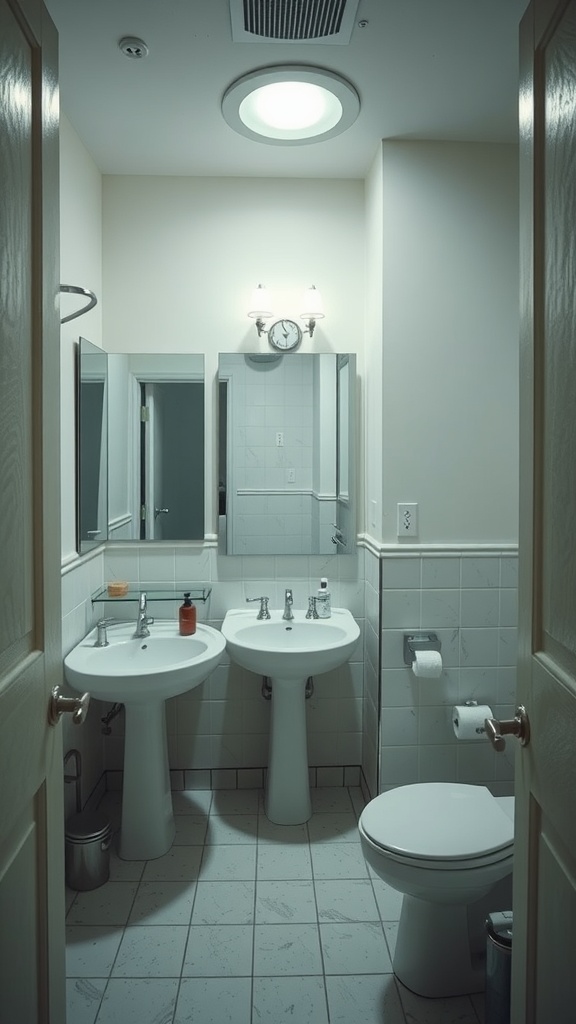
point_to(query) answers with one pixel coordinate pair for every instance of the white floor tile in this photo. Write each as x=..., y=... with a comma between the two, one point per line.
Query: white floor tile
x=365, y=998
x=213, y=1001
x=390, y=934
x=109, y=904
x=236, y=801
x=287, y=902
x=281, y=863
x=299, y=1000
x=346, y=900
x=281, y=949
x=180, y=864
x=138, y=1001
x=124, y=870
x=228, y=863
x=338, y=860
x=224, y=903
x=328, y=798
x=91, y=950
x=192, y=801
x=163, y=903
x=340, y=827
x=270, y=832
x=219, y=951
x=234, y=828
x=83, y=998
x=190, y=829
x=355, y=948
x=148, y=951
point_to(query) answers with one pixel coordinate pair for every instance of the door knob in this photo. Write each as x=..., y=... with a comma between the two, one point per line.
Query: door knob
x=61, y=705
x=519, y=726
x=160, y=511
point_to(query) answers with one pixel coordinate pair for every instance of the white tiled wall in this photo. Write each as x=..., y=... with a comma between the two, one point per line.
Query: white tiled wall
x=470, y=600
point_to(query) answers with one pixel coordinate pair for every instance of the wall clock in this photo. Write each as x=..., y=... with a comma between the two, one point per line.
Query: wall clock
x=285, y=335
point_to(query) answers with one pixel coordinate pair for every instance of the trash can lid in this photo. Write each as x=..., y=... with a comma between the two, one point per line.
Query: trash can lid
x=87, y=826
x=499, y=928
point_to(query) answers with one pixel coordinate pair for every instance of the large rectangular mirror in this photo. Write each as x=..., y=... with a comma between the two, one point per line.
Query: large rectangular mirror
x=153, y=465
x=286, y=478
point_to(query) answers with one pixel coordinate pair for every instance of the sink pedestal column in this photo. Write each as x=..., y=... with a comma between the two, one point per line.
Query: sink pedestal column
x=148, y=827
x=288, y=786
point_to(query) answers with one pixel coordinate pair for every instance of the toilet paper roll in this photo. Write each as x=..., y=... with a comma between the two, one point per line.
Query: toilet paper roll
x=468, y=721
x=427, y=664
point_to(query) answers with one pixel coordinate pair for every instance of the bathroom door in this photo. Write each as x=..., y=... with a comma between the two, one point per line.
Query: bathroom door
x=31, y=777
x=544, y=975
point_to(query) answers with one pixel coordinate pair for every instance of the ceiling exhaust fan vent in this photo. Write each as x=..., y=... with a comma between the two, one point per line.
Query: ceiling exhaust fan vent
x=293, y=21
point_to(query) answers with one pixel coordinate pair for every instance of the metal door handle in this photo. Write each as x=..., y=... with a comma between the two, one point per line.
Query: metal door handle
x=160, y=511
x=519, y=727
x=61, y=705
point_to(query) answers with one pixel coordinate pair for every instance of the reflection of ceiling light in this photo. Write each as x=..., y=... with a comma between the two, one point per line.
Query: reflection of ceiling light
x=290, y=105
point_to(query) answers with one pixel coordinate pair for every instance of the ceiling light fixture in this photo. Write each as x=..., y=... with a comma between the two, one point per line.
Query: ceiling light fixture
x=290, y=105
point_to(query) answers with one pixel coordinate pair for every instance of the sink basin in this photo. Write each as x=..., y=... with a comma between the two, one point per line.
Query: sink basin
x=288, y=652
x=142, y=674
x=292, y=650
x=162, y=665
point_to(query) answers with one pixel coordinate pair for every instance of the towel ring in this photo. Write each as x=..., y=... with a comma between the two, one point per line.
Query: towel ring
x=77, y=290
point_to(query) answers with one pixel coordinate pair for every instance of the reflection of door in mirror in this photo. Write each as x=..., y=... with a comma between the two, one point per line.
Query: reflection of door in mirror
x=92, y=446
x=172, y=460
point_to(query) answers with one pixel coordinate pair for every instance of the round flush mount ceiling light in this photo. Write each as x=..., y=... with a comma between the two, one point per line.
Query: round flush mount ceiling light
x=290, y=105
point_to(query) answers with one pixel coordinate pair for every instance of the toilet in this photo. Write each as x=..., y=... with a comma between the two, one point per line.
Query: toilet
x=448, y=848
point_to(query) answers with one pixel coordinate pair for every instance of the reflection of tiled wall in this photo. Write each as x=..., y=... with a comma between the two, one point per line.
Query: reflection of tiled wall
x=470, y=600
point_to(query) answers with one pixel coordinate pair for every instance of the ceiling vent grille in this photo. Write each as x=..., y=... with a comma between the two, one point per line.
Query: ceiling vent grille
x=293, y=21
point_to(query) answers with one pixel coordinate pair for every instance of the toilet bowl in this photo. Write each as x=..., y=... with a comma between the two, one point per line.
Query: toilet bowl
x=448, y=847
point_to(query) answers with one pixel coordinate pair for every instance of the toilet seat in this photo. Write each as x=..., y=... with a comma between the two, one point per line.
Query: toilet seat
x=454, y=826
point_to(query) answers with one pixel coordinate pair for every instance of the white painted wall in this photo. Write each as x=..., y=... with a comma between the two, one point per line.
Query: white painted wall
x=80, y=264
x=449, y=340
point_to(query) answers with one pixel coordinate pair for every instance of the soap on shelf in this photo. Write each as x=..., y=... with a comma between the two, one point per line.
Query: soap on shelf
x=119, y=588
x=187, y=616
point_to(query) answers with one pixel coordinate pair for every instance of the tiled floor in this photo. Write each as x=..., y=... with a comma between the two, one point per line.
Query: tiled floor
x=245, y=922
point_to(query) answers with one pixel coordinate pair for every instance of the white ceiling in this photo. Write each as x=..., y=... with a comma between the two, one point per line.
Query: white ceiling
x=424, y=69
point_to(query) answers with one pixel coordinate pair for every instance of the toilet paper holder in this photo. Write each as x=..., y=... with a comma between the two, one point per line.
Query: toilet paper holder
x=414, y=642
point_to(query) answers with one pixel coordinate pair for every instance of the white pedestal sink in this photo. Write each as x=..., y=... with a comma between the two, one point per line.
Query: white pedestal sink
x=288, y=652
x=142, y=674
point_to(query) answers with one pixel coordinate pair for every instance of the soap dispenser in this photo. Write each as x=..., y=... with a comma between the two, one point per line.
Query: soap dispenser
x=323, y=600
x=187, y=616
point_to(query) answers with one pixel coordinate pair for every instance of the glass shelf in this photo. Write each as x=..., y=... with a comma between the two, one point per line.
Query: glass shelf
x=196, y=593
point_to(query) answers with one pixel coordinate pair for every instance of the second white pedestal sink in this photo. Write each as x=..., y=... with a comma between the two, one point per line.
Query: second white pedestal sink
x=288, y=651
x=142, y=674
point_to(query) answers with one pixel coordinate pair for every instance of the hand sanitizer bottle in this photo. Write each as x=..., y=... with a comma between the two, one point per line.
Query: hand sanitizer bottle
x=323, y=600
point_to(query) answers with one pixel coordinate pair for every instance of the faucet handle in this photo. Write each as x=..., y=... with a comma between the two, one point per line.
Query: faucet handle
x=312, y=612
x=263, y=613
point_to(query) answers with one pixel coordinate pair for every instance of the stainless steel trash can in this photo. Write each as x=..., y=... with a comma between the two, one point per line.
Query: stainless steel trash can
x=498, y=963
x=87, y=851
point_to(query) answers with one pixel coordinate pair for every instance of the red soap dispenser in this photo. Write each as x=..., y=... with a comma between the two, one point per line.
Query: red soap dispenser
x=187, y=616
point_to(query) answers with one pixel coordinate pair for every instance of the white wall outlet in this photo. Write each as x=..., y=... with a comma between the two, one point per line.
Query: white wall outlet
x=290, y=476
x=280, y=439
x=407, y=522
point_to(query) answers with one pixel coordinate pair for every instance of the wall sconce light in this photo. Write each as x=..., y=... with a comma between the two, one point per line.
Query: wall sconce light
x=285, y=335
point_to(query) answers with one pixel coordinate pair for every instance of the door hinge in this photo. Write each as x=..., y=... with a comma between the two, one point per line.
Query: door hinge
x=144, y=414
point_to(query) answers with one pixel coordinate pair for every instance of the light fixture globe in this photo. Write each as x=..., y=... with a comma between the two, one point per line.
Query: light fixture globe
x=290, y=105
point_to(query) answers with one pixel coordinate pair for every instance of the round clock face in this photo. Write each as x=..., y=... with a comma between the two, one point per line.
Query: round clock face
x=284, y=335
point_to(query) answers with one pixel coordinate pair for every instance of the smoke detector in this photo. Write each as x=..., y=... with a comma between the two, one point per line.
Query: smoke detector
x=134, y=48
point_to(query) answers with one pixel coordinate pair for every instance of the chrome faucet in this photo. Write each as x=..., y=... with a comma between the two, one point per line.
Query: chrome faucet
x=143, y=620
x=288, y=602
x=263, y=613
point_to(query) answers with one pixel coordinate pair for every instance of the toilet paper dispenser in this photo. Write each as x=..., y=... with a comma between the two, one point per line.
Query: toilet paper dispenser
x=418, y=642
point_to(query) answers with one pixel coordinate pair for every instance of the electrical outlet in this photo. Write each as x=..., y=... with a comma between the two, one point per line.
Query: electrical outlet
x=290, y=476
x=280, y=439
x=407, y=524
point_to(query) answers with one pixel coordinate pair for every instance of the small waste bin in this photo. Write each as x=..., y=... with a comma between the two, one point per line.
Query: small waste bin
x=88, y=839
x=498, y=963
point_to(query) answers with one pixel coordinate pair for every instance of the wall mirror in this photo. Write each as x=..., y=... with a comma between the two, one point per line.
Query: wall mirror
x=286, y=431
x=152, y=470
x=92, y=446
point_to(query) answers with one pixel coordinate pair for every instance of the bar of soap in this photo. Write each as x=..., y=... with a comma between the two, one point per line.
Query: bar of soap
x=118, y=589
